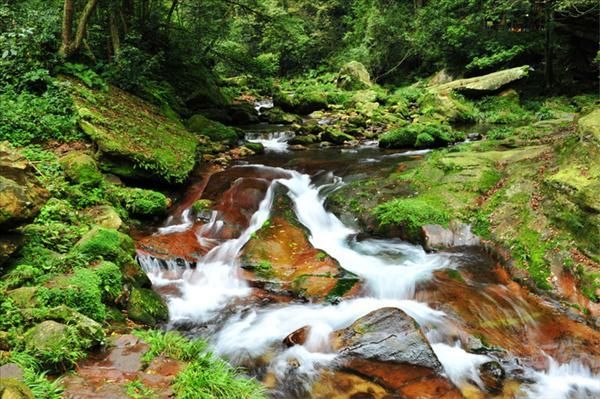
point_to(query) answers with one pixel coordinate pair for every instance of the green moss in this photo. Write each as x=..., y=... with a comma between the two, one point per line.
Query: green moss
x=343, y=285
x=146, y=307
x=335, y=136
x=81, y=168
x=304, y=139
x=214, y=130
x=258, y=148
x=201, y=205
x=82, y=291
x=127, y=128
x=140, y=202
x=111, y=281
x=14, y=389
x=419, y=135
x=109, y=244
x=488, y=180
x=411, y=214
x=529, y=251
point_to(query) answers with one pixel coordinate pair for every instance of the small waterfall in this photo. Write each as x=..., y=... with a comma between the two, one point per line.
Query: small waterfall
x=571, y=380
x=275, y=141
x=262, y=104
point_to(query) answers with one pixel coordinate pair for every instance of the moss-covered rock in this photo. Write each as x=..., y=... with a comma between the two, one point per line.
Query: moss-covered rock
x=419, y=135
x=84, y=326
x=141, y=202
x=11, y=388
x=304, y=139
x=105, y=243
x=201, y=205
x=24, y=297
x=133, y=273
x=214, y=130
x=353, y=76
x=146, y=307
x=135, y=139
x=81, y=168
x=257, y=148
x=278, y=116
x=48, y=335
x=590, y=125
x=335, y=136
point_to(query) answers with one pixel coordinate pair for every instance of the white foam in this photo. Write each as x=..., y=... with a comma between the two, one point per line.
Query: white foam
x=564, y=381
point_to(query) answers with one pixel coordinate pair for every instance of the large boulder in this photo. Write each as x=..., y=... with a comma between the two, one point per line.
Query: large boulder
x=135, y=138
x=456, y=235
x=214, y=130
x=12, y=388
x=353, y=76
x=21, y=193
x=105, y=243
x=387, y=346
x=490, y=82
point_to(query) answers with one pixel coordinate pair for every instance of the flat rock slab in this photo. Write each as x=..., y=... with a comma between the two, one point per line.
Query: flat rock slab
x=106, y=375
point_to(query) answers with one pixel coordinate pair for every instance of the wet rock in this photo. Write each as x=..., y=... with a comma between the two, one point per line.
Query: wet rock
x=21, y=193
x=298, y=147
x=304, y=139
x=341, y=385
x=81, y=168
x=387, y=335
x=492, y=375
x=457, y=234
x=11, y=388
x=387, y=346
x=474, y=136
x=335, y=136
x=147, y=307
x=353, y=76
x=242, y=114
x=298, y=337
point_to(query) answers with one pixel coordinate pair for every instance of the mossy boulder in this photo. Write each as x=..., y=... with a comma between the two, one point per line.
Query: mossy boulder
x=105, y=243
x=353, y=76
x=11, y=388
x=335, y=136
x=589, y=125
x=214, y=130
x=278, y=116
x=202, y=205
x=257, y=148
x=24, y=297
x=133, y=273
x=147, y=307
x=446, y=107
x=85, y=327
x=135, y=138
x=48, y=335
x=304, y=139
x=81, y=168
x=301, y=102
x=420, y=135
x=21, y=193
x=141, y=202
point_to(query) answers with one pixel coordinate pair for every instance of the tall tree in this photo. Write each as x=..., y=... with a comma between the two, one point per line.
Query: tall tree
x=72, y=44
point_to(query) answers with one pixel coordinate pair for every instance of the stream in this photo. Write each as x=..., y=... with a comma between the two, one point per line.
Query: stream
x=469, y=310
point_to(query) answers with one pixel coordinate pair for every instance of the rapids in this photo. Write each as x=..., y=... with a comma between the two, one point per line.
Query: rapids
x=212, y=290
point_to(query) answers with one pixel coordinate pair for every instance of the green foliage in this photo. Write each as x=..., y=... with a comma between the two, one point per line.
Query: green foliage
x=82, y=291
x=111, y=281
x=214, y=130
x=33, y=118
x=411, y=214
x=56, y=236
x=504, y=110
x=171, y=344
x=201, y=205
x=90, y=78
x=529, y=250
x=489, y=179
x=109, y=244
x=264, y=269
x=209, y=377
x=47, y=165
x=35, y=377
x=499, y=133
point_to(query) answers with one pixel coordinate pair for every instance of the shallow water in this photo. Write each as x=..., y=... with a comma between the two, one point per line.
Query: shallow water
x=204, y=284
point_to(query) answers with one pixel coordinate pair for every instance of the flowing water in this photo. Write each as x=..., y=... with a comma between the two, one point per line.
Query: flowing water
x=208, y=293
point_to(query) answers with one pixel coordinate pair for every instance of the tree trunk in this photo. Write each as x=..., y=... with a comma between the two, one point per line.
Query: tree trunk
x=71, y=46
x=115, y=38
x=548, y=44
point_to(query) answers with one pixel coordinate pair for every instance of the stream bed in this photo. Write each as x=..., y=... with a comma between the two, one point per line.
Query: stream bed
x=308, y=303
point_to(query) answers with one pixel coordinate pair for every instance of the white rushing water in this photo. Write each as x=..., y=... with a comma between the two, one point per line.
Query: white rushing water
x=390, y=271
x=272, y=141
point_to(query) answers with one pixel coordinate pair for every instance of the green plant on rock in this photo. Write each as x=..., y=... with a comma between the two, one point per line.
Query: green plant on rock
x=140, y=202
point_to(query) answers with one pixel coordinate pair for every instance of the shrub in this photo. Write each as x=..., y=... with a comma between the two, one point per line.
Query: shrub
x=499, y=133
